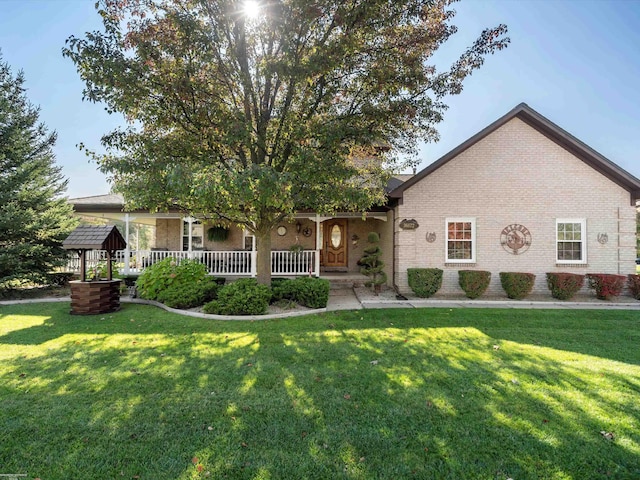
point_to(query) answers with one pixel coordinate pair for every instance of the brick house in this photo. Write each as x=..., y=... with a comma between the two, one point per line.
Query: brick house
x=521, y=195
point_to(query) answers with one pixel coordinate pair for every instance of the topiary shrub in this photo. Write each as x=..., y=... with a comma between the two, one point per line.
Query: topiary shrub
x=242, y=297
x=424, y=282
x=633, y=281
x=372, y=265
x=606, y=285
x=312, y=292
x=564, y=286
x=474, y=282
x=177, y=285
x=517, y=285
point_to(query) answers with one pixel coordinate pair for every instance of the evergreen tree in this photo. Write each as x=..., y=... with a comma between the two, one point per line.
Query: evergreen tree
x=34, y=217
x=371, y=264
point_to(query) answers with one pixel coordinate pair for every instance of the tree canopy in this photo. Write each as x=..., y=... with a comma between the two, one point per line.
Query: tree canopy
x=34, y=217
x=248, y=118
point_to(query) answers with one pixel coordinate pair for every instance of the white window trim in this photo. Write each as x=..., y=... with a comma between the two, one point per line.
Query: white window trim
x=191, y=221
x=583, y=240
x=449, y=220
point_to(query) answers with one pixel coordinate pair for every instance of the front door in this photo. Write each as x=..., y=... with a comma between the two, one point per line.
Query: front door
x=335, y=243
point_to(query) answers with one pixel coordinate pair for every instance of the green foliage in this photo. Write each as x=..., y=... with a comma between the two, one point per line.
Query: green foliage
x=606, y=285
x=517, y=285
x=284, y=288
x=242, y=297
x=633, y=282
x=424, y=282
x=60, y=279
x=564, y=286
x=34, y=216
x=474, y=282
x=312, y=292
x=177, y=285
x=306, y=291
x=371, y=264
x=228, y=112
x=100, y=271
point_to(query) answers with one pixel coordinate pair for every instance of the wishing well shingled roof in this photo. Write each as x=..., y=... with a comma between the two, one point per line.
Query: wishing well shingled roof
x=95, y=238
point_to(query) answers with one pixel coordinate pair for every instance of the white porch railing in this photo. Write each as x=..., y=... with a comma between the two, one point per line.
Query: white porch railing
x=240, y=262
x=286, y=262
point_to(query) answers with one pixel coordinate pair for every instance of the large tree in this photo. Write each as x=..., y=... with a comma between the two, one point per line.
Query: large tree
x=250, y=111
x=34, y=217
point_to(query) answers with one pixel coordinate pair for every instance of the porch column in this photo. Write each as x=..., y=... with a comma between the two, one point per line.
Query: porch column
x=318, y=245
x=127, y=249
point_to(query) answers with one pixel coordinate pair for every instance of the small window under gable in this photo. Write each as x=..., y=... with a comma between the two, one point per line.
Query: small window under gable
x=460, y=240
x=571, y=241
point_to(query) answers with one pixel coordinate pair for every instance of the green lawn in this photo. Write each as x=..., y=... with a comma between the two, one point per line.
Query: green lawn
x=432, y=393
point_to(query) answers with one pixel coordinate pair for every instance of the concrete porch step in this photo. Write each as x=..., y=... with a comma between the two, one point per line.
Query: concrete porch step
x=344, y=280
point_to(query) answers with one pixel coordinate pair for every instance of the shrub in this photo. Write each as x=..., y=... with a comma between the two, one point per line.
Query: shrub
x=564, y=286
x=242, y=297
x=633, y=282
x=517, y=285
x=283, y=289
x=60, y=279
x=474, y=282
x=425, y=282
x=177, y=285
x=312, y=292
x=606, y=285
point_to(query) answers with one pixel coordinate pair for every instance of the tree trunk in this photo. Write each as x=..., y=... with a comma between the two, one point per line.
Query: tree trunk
x=264, y=257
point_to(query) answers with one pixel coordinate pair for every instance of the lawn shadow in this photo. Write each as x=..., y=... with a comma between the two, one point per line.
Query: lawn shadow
x=421, y=394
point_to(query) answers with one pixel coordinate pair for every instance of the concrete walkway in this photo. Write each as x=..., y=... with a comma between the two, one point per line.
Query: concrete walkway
x=343, y=299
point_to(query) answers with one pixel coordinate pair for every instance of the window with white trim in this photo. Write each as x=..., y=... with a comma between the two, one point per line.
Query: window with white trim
x=461, y=240
x=571, y=240
x=197, y=234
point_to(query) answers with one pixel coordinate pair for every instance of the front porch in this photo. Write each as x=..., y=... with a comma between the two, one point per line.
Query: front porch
x=308, y=244
x=240, y=263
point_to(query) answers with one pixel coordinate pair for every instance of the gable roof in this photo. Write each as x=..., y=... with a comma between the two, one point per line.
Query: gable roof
x=86, y=237
x=550, y=130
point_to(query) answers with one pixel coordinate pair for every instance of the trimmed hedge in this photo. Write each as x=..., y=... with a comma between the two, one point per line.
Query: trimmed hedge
x=517, y=285
x=633, y=281
x=474, y=282
x=424, y=282
x=606, y=285
x=283, y=289
x=312, y=292
x=242, y=297
x=307, y=291
x=563, y=285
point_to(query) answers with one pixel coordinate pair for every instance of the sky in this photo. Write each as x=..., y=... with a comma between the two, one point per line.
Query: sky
x=577, y=62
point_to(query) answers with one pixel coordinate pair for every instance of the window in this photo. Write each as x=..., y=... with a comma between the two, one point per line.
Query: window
x=197, y=233
x=461, y=240
x=571, y=241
